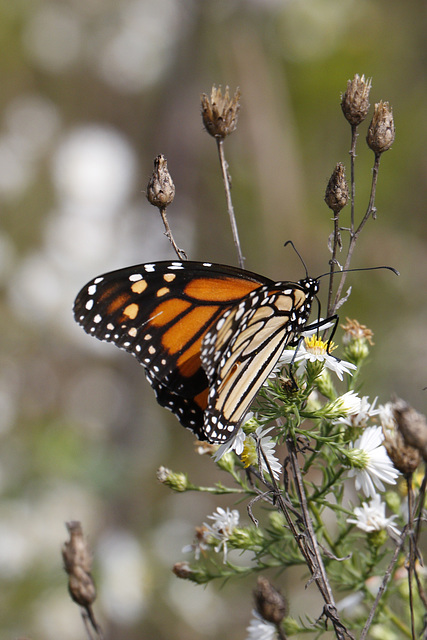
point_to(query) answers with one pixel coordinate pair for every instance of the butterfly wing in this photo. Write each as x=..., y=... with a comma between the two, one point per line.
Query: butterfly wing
x=160, y=313
x=241, y=349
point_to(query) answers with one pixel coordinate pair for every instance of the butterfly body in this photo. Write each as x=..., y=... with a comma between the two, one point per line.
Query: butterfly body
x=207, y=335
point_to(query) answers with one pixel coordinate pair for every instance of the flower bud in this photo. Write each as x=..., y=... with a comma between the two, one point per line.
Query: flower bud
x=381, y=131
x=78, y=565
x=160, y=188
x=176, y=481
x=197, y=574
x=182, y=570
x=357, y=340
x=277, y=522
x=247, y=538
x=412, y=425
x=355, y=101
x=377, y=538
x=336, y=196
x=269, y=602
x=220, y=113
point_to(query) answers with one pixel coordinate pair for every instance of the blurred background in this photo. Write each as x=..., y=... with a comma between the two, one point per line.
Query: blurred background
x=91, y=92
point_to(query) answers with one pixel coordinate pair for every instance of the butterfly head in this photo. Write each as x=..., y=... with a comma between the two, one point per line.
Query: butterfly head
x=311, y=285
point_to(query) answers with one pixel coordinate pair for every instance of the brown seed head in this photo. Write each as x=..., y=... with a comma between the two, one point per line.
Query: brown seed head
x=78, y=565
x=381, y=132
x=355, y=101
x=412, y=425
x=404, y=457
x=269, y=602
x=182, y=570
x=336, y=195
x=160, y=188
x=220, y=113
x=356, y=331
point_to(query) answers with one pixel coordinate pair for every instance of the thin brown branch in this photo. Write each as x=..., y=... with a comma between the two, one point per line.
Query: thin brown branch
x=230, y=208
x=370, y=211
x=168, y=233
x=307, y=541
x=386, y=579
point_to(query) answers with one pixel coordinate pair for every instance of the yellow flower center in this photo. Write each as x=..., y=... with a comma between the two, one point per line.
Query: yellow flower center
x=316, y=346
x=249, y=454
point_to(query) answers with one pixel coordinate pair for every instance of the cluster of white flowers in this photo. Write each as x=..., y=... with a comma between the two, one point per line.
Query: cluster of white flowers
x=224, y=521
x=374, y=469
x=369, y=463
x=371, y=516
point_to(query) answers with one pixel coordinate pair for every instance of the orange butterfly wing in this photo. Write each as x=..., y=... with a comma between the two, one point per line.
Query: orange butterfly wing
x=160, y=313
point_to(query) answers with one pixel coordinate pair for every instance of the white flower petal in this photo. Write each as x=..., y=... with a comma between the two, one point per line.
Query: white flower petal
x=379, y=468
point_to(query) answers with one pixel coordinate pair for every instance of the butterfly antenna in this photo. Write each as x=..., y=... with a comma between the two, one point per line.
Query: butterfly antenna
x=298, y=254
x=360, y=269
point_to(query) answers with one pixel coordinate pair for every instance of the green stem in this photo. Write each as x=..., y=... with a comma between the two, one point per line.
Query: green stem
x=398, y=622
x=317, y=494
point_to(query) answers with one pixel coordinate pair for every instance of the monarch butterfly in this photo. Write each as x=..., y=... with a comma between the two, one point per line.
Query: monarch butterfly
x=208, y=335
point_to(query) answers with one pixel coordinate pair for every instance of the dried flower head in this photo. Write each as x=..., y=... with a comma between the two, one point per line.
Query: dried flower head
x=381, y=131
x=160, y=188
x=412, y=425
x=182, y=570
x=269, y=602
x=404, y=457
x=355, y=101
x=220, y=112
x=78, y=565
x=336, y=196
x=356, y=331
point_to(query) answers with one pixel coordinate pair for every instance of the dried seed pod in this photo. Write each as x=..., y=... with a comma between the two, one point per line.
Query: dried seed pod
x=269, y=602
x=404, y=457
x=336, y=195
x=381, y=132
x=78, y=565
x=220, y=112
x=355, y=101
x=160, y=188
x=412, y=425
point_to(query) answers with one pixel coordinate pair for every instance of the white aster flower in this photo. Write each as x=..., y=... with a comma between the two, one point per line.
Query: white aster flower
x=234, y=444
x=349, y=404
x=223, y=524
x=261, y=441
x=361, y=417
x=370, y=462
x=260, y=629
x=371, y=516
x=311, y=350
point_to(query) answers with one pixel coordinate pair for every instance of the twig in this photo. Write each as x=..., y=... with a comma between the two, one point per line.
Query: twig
x=168, y=233
x=387, y=577
x=370, y=211
x=352, y=154
x=412, y=551
x=310, y=552
x=230, y=208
